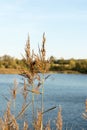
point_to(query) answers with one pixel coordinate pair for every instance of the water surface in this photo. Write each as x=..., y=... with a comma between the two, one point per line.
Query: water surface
x=66, y=90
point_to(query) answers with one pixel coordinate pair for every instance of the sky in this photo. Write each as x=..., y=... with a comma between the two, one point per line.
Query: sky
x=63, y=21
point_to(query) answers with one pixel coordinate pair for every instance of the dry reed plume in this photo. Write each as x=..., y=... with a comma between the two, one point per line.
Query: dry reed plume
x=36, y=67
x=14, y=90
x=8, y=122
x=59, y=122
x=38, y=121
x=48, y=126
x=86, y=105
x=24, y=91
x=25, y=126
x=84, y=114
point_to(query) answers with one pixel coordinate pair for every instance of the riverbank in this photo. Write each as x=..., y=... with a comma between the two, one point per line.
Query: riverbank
x=9, y=71
x=17, y=71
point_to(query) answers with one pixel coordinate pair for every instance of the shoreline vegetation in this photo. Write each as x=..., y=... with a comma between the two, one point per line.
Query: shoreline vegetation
x=16, y=71
x=9, y=71
x=11, y=65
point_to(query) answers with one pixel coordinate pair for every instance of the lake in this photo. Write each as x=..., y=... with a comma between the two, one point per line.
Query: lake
x=66, y=90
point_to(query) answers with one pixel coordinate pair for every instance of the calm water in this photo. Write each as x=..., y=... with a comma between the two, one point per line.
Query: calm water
x=67, y=90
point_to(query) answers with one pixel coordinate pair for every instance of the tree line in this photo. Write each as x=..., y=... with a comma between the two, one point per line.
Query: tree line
x=68, y=65
x=59, y=65
x=7, y=61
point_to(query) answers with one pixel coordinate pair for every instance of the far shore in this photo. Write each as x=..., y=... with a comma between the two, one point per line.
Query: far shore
x=16, y=71
x=9, y=71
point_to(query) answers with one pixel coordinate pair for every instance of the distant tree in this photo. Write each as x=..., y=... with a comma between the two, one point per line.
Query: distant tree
x=72, y=63
x=52, y=59
x=81, y=66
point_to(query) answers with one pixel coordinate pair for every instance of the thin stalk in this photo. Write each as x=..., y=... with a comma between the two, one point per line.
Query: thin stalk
x=33, y=103
x=42, y=100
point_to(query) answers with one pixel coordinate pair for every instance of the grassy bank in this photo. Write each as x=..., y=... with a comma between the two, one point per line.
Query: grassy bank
x=9, y=71
x=17, y=71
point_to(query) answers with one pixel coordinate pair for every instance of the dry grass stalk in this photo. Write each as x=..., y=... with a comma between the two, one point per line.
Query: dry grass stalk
x=24, y=108
x=1, y=124
x=86, y=105
x=38, y=122
x=43, y=51
x=59, y=122
x=27, y=49
x=8, y=115
x=14, y=125
x=34, y=90
x=14, y=90
x=84, y=114
x=25, y=126
x=48, y=126
x=25, y=92
x=9, y=122
x=36, y=63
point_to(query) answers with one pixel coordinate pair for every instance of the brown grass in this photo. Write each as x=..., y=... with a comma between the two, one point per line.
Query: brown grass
x=9, y=71
x=35, y=64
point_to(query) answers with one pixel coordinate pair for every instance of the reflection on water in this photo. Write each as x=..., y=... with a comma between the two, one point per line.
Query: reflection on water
x=67, y=90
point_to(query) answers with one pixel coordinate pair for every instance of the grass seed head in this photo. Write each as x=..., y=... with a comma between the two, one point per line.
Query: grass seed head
x=25, y=125
x=86, y=105
x=59, y=122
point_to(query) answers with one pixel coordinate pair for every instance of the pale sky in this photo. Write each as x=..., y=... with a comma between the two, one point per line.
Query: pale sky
x=63, y=21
